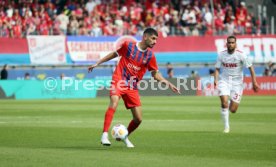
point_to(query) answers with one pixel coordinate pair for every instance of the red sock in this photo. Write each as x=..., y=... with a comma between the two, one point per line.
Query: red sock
x=132, y=126
x=108, y=118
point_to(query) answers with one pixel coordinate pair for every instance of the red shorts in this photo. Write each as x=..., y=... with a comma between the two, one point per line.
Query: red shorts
x=130, y=96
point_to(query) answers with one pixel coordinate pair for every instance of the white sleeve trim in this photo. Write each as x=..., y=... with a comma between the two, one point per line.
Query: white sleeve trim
x=117, y=53
x=154, y=70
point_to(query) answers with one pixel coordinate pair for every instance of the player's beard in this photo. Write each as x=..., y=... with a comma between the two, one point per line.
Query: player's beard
x=149, y=45
x=231, y=50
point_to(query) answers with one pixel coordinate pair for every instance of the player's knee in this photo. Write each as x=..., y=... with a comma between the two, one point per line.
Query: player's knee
x=233, y=110
x=224, y=105
x=113, y=104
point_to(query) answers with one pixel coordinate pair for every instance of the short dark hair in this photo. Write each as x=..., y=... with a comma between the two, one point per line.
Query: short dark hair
x=211, y=71
x=150, y=31
x=231, y=37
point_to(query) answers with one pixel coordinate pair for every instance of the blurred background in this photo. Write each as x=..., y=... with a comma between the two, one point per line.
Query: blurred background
x=60, y=38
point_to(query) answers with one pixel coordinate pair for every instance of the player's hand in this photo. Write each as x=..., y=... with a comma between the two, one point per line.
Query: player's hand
x=90, y=68
x=174, y=89
x=256, y=87
x=215, y=83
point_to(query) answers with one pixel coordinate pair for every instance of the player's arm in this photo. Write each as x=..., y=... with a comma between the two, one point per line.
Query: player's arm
x=217, y=67
x=157, y=76
x=247, y=63
x=108, y=57
x=216, y=76
x=253, y=77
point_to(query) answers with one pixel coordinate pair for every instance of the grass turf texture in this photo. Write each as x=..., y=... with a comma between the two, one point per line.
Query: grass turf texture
x=176, y=131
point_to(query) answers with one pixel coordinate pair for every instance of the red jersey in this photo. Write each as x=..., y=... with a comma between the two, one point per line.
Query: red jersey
x=133, y=64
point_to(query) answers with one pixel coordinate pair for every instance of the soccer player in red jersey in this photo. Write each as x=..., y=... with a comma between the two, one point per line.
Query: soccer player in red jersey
x=136, y=59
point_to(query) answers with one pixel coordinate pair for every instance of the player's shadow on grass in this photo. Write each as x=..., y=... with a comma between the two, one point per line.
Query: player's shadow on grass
x=100, y=147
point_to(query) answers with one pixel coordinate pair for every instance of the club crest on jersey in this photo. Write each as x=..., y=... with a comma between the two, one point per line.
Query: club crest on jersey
x=144, y=61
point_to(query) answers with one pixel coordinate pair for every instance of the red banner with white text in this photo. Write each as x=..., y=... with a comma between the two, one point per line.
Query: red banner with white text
x=174, y=49
x=267, y=86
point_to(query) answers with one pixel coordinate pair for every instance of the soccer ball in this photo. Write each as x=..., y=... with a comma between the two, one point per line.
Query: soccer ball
x=119, y=132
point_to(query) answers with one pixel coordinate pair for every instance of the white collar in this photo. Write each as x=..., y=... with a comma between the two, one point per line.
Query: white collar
x=140, y=48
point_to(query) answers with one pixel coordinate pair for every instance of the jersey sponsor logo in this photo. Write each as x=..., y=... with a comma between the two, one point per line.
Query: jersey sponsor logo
x=133, y=67
x=230, y=65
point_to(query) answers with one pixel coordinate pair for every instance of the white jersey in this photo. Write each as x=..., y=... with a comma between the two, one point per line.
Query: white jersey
x=232, y=66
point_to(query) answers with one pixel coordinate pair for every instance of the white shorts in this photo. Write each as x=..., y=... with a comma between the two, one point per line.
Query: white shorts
x=234, y=91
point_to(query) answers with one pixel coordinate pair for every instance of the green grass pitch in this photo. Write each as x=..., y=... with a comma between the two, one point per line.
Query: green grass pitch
x=176, y=132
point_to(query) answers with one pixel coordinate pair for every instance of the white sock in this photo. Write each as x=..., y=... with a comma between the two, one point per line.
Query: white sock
x=225, y=117
x=128, y=143
x=105, y=135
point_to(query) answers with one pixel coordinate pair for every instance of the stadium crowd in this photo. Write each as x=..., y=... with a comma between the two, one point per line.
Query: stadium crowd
x=20, y=18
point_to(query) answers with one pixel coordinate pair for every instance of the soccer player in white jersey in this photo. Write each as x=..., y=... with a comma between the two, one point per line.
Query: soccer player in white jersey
x=230, y=81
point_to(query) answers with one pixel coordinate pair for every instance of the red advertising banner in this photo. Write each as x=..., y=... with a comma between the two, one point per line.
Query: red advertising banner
x=260, y=49
x=267, y=86
x=13, y=46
